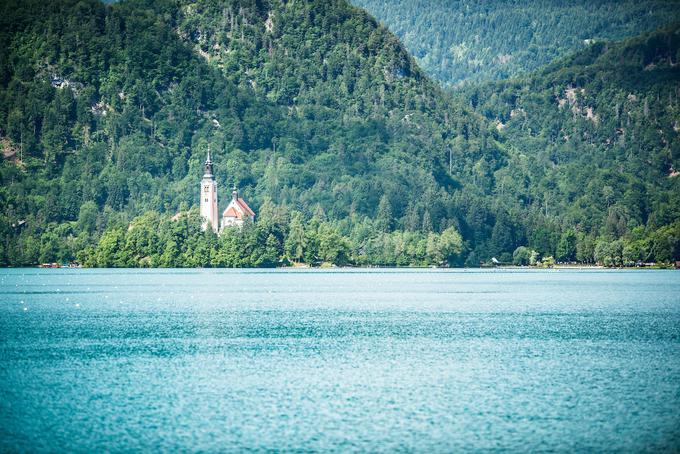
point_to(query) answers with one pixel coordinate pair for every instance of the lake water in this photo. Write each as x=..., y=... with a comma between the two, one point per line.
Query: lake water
x=346, y=360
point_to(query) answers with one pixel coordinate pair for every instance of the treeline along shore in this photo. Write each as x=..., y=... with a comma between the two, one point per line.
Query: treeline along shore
x=282, y=238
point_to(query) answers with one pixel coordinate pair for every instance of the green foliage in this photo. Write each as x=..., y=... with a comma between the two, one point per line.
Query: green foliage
x=459, y=41
x=592, y=148
x=87, y=217
x=566, y=248
x=547, y=262
x=155, y=240
x=534, y=258
x=522, y=256
x=111, y=250
x=309, y=105
x=609, y=253
x=347, y=152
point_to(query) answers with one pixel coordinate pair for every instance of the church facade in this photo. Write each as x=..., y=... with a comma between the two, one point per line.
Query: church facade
x=234, y=215
x=236, y=212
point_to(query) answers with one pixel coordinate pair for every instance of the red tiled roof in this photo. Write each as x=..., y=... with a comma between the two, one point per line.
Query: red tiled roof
x=232, y=213
x=245, y=207
x=238, y=209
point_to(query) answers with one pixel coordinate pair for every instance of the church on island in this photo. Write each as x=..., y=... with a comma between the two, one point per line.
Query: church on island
x=233, y=216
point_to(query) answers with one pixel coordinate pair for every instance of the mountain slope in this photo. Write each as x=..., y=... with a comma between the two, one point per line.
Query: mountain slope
x=465, y=41
x=309, y=104
x=594, y=139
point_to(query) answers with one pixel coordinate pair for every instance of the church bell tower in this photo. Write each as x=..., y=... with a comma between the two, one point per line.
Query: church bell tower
x=209, y=197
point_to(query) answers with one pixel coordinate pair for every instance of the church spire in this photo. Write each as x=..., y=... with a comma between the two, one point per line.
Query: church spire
x=208, y=196
x=208, y=165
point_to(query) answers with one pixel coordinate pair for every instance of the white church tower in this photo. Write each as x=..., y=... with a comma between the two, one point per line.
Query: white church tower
x=209, y=211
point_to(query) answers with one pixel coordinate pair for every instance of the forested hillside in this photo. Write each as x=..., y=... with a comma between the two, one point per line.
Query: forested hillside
x=107, y=112
x=348, y=153
x=593, y=142
x=466, y=40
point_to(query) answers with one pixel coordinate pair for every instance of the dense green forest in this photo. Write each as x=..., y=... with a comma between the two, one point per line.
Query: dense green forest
x=348, y=153
x=107, y=112
x=474, y=41
x=592, y=142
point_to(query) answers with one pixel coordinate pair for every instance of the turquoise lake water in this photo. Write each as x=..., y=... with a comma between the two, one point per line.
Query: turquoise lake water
x=347, y=360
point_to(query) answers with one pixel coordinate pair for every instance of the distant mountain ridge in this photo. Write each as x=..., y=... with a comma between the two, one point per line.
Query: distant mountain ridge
x=470, y=41
x=604, y=124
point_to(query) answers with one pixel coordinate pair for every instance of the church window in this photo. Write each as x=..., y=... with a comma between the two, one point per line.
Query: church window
x=206, y=200
x=206, y=189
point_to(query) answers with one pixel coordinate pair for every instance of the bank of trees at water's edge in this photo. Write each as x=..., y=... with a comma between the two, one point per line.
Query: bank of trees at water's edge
x=283, y=238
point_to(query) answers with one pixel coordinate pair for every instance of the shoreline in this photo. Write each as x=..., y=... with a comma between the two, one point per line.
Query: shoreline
x=374, y=267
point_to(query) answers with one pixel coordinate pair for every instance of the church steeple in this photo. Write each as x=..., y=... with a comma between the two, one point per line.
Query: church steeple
x=208, y=166
x=208, y=196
